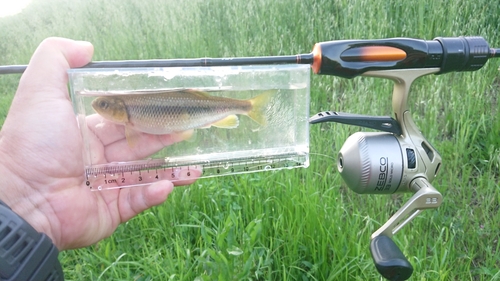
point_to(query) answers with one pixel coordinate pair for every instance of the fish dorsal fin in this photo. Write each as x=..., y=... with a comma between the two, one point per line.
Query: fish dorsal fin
x=167, y=91
x=155, y=91
x=200, y=94
x=230, y=122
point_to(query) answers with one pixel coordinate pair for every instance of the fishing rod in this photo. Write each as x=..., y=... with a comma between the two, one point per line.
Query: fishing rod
x=397, y=159
x=344, y=58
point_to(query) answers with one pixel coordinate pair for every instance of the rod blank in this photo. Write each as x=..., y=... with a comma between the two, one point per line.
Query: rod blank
x=297, y=59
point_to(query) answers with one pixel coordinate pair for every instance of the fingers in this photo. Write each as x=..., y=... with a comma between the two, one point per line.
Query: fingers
x=46, y=71
x=116, y=146
x=145, y=146
x=187, y=176
x=135, y=200
x=107, y=132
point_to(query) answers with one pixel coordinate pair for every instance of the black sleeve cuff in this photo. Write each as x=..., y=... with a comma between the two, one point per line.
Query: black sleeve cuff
x=25, y=254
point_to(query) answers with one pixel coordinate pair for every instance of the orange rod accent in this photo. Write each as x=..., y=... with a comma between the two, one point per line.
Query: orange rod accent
x=316, y=65
x=381, y=53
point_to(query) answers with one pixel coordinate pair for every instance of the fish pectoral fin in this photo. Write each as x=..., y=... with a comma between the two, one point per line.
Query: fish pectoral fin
x=189, y=135
x=132, y=136
x=205, y=126
x=230, y=122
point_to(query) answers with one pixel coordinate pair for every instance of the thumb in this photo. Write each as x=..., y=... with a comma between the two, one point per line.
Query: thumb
x=135, y=200
x=46, y=71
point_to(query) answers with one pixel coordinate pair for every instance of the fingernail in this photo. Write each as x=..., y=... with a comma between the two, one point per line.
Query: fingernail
x=84, y=43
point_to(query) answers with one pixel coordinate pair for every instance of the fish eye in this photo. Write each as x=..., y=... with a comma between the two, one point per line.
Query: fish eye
x=103, y=104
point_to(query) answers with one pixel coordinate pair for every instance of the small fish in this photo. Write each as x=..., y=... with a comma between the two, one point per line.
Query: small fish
x=164, y=112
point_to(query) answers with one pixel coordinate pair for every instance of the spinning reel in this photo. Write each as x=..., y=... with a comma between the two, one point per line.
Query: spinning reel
x=399, y=158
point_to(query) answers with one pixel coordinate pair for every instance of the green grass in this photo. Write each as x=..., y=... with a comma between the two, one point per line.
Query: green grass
x=297, y=224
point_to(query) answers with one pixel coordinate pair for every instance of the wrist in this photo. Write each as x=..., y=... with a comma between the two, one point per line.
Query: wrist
x=24, y=200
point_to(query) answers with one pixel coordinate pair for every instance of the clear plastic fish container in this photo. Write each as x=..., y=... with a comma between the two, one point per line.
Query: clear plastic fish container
x=140, y=125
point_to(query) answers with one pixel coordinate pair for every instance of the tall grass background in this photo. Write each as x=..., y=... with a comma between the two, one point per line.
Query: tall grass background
x=300, y=224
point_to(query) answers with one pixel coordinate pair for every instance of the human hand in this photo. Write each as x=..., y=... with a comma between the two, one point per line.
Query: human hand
x=41, y=163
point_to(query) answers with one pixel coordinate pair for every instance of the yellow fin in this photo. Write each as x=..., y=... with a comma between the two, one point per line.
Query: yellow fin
x=189, y=135
x=259, y=107
x=131, y=136
x=186, y=135
x=230, y=122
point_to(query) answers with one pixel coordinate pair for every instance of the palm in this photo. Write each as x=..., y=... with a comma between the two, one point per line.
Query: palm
x=42, y=148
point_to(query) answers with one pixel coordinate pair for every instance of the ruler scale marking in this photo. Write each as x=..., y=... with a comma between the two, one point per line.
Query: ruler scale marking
x=102, y=175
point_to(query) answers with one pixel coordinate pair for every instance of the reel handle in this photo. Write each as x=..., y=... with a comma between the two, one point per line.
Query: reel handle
x=390, y=262
x=388, y=258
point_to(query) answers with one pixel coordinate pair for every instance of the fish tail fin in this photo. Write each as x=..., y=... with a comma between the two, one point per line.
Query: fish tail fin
x=259, y=107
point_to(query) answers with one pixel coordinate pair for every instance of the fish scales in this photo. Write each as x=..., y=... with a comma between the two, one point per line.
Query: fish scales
x=176, y=112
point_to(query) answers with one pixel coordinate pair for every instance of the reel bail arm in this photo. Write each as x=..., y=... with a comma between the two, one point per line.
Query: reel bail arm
x=381, y=123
